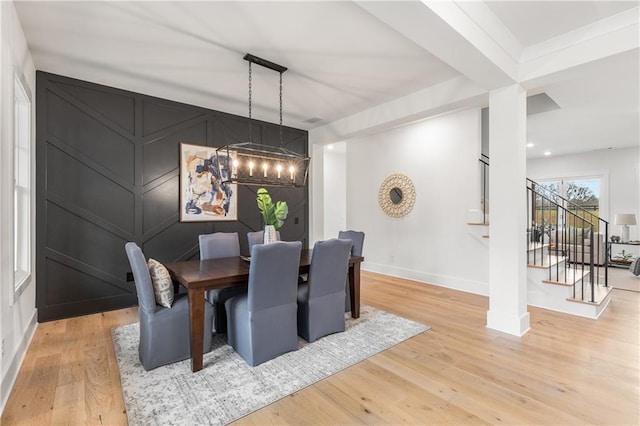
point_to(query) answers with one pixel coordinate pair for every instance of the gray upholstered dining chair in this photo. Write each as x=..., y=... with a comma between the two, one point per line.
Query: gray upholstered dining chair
x=321, y=298
x=257, y=237
x=262, y=323
x=215, y=246
x=164, y=332
x=357, y=239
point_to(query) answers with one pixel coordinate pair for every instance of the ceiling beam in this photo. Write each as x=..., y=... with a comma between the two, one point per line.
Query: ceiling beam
x=450, y=33
x=442, y=98
x=544, y=61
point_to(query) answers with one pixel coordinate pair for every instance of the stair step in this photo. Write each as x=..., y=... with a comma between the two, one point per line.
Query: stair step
x=601, y=293
x=571, y=276
x=536, y=246
x=548, y=262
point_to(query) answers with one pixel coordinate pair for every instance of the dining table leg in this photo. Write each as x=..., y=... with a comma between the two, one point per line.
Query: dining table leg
x=354, y=287
x=196, y=325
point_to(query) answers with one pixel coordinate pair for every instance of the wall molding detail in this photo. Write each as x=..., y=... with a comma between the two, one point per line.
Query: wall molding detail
x=107, y=163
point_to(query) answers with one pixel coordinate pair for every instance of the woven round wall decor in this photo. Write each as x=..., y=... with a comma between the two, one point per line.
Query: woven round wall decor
x=397, y=195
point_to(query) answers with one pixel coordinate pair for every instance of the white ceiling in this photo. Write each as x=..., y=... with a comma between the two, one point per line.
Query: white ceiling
x=533, y=22
x=345, y=57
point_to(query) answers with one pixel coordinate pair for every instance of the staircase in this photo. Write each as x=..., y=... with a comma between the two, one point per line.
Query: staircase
x=566, y=257
x=566, y=249
x=555, y=283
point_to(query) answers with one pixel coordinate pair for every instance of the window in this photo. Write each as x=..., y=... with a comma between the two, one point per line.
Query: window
x=21, y=186
x=584, y=193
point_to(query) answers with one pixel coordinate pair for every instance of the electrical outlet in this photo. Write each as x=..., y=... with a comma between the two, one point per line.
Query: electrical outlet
x=130, y=277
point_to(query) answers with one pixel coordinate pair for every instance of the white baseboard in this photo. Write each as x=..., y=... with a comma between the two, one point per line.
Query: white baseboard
x=505, y=322
x=455, y=283
x=16, y=361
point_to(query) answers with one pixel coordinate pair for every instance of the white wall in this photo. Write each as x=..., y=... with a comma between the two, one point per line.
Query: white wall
x=622, y=166
x=335, y=189
x=433, y=243
x=17, y=311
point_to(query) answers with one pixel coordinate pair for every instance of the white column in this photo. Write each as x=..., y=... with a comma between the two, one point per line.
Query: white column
x=507, y=189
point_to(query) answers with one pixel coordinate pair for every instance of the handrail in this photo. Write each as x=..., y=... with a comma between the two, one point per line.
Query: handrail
x=565, y=200
x=546, y=208
x=484, y=160
x=569, y=242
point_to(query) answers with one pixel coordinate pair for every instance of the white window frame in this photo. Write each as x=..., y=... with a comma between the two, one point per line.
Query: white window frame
x=22, y=185
x=603, y=175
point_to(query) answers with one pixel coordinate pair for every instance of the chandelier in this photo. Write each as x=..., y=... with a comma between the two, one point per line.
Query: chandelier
x=250, y=163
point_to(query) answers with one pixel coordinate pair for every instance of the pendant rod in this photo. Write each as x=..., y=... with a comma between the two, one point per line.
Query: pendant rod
x=280, y=110
x=250, y=139
x=263, y=62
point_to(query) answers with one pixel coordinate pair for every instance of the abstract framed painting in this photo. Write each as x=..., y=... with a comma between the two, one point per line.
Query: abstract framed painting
x=204, y=196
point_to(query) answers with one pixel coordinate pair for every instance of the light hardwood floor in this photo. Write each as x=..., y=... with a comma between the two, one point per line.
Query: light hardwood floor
x=566, y=370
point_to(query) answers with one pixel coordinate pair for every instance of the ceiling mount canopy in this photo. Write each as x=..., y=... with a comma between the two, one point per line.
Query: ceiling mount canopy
x=250, y=163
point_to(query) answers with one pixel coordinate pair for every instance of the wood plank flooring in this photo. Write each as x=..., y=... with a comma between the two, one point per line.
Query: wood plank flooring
x=566, y=370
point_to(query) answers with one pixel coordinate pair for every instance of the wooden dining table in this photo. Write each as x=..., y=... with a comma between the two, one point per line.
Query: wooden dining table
x=198, y=276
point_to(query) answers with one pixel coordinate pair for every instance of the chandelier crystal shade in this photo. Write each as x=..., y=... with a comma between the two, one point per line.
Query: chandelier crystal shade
x=249, y=163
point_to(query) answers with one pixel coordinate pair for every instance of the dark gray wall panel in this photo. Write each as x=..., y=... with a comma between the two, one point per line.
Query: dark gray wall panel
x=160, y=115
x=291, y=138
x=161, y=204
x=117, y=108
x=107, y=172
x=97, y=194
x=82, y=240
x=177, y=241
x=232, y=129
x=71, y=125
x=162, y=155
x=85, y=287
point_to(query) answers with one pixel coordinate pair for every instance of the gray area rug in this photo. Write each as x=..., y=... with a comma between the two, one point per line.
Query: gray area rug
x=227, y=388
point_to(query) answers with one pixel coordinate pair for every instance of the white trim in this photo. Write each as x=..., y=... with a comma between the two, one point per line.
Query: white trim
x=22, y=128
x=17, y=357
x=509, y=323
x=439, y=280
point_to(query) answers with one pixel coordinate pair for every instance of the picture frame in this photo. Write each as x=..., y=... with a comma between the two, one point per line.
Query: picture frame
x=206, y=196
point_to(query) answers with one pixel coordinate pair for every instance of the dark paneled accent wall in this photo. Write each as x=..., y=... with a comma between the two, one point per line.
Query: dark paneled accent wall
x=107, y=173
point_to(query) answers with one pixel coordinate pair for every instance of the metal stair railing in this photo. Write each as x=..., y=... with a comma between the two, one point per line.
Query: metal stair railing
x=567, y=227
x=553, y=217
x=484, y=180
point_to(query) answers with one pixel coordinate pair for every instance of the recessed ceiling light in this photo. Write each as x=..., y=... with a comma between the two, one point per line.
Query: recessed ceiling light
x=530, y=145
x=547, y=153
